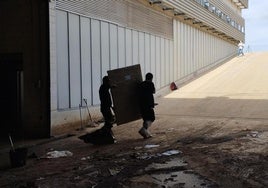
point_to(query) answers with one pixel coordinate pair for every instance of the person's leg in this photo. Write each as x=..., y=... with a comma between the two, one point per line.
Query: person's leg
x=108, y=117
x=144, y=130
x=108, y=124
x=148, y=117
x=147, y=125
x=150, y=120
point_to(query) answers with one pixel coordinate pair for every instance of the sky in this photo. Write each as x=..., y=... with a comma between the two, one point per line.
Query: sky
x=256, y=25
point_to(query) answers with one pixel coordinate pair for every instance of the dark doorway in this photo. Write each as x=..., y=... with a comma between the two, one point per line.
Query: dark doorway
x=11, y=94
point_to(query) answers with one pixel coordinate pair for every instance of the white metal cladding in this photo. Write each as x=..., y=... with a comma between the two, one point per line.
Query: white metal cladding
x=87, y=48
x=74, y=59
x=196, y=11
x=85, y=27
x=128, y=13
x=196, y=51
x=62, y=60
x=225, y=9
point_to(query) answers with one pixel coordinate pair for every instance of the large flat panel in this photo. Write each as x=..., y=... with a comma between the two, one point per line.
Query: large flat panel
x=105, y=48
x=128, y=47
x=121, y=47
x=74, y=54
x=62, y=60
x=96, y=59
x=86, y=59
x=126, y=104
x=113, y=46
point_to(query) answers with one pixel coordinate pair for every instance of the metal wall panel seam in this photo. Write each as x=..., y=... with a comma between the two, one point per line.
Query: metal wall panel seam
x=117, y=47
x=125, y=33
x=68, y=31
x=101, y=58
x=132, y=47
x=63, y=103
x=85, y=58
x=91, y=64
x=150, y=51
x=109, y=41
x=138, y=48
x=74, y=61
x=81, y=88
x=175, y=48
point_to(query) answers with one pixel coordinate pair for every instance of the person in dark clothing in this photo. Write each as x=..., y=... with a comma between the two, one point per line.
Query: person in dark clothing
x=106, y=103
x=104, y=135
x=146, y=91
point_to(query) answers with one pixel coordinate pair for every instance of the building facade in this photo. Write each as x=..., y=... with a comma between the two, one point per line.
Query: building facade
x=176, y=40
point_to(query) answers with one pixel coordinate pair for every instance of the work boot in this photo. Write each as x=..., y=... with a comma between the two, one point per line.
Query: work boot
x=145, y=133
x=142, y=132
x=148, y=134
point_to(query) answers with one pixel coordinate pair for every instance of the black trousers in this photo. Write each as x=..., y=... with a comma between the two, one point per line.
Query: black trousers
x=108, y=117
x=147, y=114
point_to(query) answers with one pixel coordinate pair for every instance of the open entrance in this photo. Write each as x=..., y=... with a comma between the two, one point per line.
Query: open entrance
x=11, y=94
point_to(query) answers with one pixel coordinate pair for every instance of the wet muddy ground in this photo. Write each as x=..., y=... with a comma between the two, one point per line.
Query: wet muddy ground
x=197, y=152
x=214, y=128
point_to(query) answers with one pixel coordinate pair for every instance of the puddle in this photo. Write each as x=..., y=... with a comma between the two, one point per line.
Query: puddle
x=172, y=173
x=180, y=179
x=177, y=162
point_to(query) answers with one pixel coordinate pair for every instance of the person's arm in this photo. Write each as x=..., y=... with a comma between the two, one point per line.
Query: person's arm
x=153, y=88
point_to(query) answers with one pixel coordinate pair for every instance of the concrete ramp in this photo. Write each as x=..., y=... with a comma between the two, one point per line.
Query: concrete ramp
x=237, y=89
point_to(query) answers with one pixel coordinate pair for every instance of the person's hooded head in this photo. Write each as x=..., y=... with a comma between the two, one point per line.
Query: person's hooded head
x=149, y=76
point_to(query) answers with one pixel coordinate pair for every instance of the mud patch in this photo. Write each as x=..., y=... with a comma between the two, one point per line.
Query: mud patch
x=213, y=140
x=172, y=173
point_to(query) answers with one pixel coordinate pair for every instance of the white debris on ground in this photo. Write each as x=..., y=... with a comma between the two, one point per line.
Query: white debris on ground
x=57, y=154
x=149, y=146
x=171, y=152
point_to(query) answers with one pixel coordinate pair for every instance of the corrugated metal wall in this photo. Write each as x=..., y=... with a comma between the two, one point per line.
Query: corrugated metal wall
x=127, y=13
x=84, y=46
x=87, y=48
x=195, y=10
x=196, y=51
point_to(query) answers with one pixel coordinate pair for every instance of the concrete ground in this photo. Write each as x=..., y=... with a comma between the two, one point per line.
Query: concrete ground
x=212, y=132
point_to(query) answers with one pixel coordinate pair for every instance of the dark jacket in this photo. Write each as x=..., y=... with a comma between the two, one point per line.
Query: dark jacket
x=147, y=90
x=105, y=97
